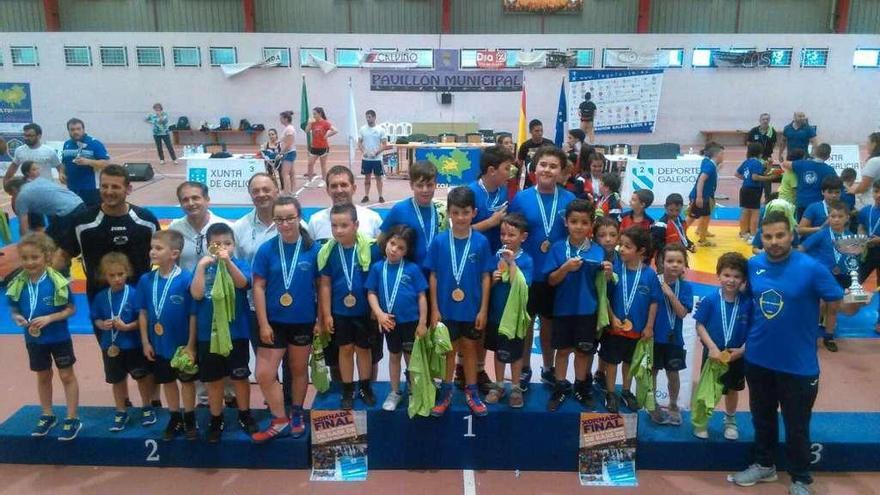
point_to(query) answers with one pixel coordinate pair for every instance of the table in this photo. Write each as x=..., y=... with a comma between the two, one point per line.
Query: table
x=231, y=136
x=226, y=178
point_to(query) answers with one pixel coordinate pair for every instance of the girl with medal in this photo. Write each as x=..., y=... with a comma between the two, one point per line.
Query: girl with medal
x=114, y=313
x=633, y=310
x=396, y=293
x=285, y=280
x=722, y=320
x=39, y=302
x=491, y=193
x=669, y=352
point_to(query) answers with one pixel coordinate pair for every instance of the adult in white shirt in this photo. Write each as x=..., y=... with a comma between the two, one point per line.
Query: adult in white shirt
x=341, y=189
x=33, y=150
x=194, y=200
x=870, y=172
x=372, y=142
x=287, y=140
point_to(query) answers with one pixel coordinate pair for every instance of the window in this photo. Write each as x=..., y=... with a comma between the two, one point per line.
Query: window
x=780, y=57
x=468, y=57
x=222, y=55
x=305, y=55
x=426, y=57
x=114, y=56
x=348, y=57
x=77, y=56
x=284, y=53
x=583, y=57
x=611, y=57
x=866, y=57
x=187, y=56
x=704, y=57
x=150, y=56
x=24, y=55
x=670, y=57
x=814, y=57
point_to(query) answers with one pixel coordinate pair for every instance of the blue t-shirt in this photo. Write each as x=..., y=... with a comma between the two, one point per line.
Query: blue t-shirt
x=339, y=285
x=127, y=312
x=816, y=213
x=45, y=296
x=664, y=333
x=175, y=313
x=785, y=319
x=526, y=203
x=869, y=218
x=810, y=174
x=79, y=177
x=501, y=290
x=487, y=203
x=820, y=246
x=404, y=213
x=412, y=283
x=267, y=265
x=646, y=294
x=798, y=139
x=240, y=326
x=709, y=315
x=479, y=262
x=576, y=295
x=747, y=169
x=848, y=199
x=706, y=167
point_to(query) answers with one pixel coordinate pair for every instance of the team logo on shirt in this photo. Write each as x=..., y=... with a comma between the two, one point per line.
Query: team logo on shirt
x=175, y=299
x=644, y=290
x=120, y=240
x=771, y=303
x=810, y=177
x=49, y=301
x=472, y=258
x=304, y=266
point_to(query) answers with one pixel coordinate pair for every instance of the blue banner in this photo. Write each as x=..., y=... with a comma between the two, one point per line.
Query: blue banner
x=15, y=107
x=627, y=100
x=455, y=166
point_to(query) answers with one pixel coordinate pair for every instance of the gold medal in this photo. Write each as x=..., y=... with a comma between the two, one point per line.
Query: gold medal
x=350, y=301
x=458, y=295
x=626, y=326
x=113, y=350
x=34, y=332
x=214, y=248
x=286, y=299
x=545, y=246
x=724, y=357
x=502, y=266
x=159, y=329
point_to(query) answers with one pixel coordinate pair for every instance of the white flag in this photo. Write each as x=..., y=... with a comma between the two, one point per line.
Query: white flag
x=325, y=66
x=352, y=125
x=230, y=70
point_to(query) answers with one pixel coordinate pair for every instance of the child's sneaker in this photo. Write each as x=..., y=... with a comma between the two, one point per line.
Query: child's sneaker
x=391, y=401
x=516, y=397
x=174, y=427
x=472, y=399
x=190, y=430
x=458, y=379
x=548, y=376
x=366, y=393
x=753, y=475
x=611, y=402
x=659, y=417
x=830, y=343
x=701, y=433
x=731, y=431
x=247, y=423
x=629, y=400
x=44, y=424
x=278, y=427
x=526, y=376
x=69, y=429
x=583, y=393
x=599, y=380
x=148, y=416
x=674, y=417
x=484, y=383
x=560, y=391
x=215, y=429
x=381, y=199
x=444, y=398
x=297, y=425
x=120, y=420
x=496, y=393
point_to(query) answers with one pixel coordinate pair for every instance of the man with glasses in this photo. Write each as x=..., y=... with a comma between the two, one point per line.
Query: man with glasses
x=194, y=200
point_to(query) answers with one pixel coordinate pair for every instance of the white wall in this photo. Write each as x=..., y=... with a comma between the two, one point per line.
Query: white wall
x=841, y=100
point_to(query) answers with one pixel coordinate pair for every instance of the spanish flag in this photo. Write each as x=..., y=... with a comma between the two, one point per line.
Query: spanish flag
x=522, y=128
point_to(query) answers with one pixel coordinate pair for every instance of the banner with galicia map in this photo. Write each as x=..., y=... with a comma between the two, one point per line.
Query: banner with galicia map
x=607, y=454
x=339, y=445
x=626, y=100
x=455, y=166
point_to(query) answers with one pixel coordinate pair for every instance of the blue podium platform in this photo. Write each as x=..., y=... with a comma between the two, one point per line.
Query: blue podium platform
x=140, y=446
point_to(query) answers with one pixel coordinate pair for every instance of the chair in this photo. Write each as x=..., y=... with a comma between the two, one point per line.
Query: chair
x=474, y=138
x=601, y=148
x=663, y=151
x=447, y=137
x=403, y=129
x=620, y=149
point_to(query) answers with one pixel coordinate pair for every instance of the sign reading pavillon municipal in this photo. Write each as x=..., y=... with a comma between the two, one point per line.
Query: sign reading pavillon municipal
x=446, y=76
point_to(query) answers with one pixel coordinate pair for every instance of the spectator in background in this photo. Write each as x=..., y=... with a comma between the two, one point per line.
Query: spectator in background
x=83, y=156
x=271, y=152
x=506, y=140
x=574, y=143
x=41, y=197
x=870, y=171
x=587, y=110
x=797, y=135
x=159, y=119
x=321, y=130
x=4, y=153
x=372, y=142
x=765, y=135
x=287, y=150
x=33, y=150
x=527, y=151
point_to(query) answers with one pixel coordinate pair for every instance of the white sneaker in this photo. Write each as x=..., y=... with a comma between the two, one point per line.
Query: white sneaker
x=731, y=432
x=701, y=433
x=753, y=474
x=391, y=401
x=161, y=162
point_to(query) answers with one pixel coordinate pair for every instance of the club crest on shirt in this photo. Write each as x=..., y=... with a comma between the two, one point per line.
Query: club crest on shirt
x=472, y=257
x=175, y=299
x=771, y=303
x=49, y=300
x=304, y=266
x=810, y=177
x=644, y=290
x=120, y=240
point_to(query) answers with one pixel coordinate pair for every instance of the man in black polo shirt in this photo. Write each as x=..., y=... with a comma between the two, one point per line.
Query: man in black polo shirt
x=587, y=111
x=765, y=135
x=527, y=151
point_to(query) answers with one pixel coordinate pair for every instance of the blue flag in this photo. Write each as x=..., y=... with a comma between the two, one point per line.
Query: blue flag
x=561, y=116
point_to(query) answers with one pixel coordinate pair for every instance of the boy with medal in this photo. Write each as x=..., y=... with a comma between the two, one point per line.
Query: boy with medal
x=166, y=323
x=543, y=206
x=670, y=228
x=344, y=263
x=419, y=211
x=816, y=215
x=460, y=264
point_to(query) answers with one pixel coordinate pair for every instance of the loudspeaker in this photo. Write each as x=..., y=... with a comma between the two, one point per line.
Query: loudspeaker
x=446, y=98
x=139, y=172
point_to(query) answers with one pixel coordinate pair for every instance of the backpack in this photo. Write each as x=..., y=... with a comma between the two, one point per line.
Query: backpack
x=225, y=123
x=182, y=124
x=244, y=125
x=258, y=127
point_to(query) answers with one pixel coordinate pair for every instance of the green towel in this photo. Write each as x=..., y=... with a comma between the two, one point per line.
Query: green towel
x=603, y=319
x=442, y=215
x=362, y=244
x=515, y=319
x=317, y=366
x=708, y=393
x=422, y=390
x=642, y=371
x=20, y=281
x=5, y=233
x=183, y=362
x=440, y=344
x=223, y=298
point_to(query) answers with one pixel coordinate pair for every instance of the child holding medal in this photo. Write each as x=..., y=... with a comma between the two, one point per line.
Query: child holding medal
x=396, y=294
x=166, y=323
x=460, y=264
x=114, y=312
x=607, y=235
x=39, y=302
x=285, y=280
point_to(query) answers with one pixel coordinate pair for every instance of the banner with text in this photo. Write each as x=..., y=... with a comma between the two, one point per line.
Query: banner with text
x=388, y=59
x=845, y=156
x=663, y=177
x=15, y=107
x=339, y=445
x=626, y=100
x=446, y=76
x=226, y=178
x=607, y=453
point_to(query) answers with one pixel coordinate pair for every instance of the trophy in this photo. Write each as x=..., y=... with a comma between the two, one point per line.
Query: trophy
x=851, y=247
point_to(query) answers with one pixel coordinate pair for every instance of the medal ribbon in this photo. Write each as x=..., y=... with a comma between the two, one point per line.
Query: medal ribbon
x=159, y=304
x=629, y=296
x=389, y=300
x=458, y=268
x=670, y=315
x=677, y=224
x=113, y=315
x=837, y=254
x=548, y=222
x=491, y=203
x=727, y=325
x=348, y=274
x=34, y=294
x=872, y=223
x=287, y=272
x=429, y=238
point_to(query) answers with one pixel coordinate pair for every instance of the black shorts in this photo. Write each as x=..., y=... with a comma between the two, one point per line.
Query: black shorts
x=128, y=362
x=616, y=349
x=355, y=330
x=466, y=329
x=541, y=297
x=871, y=263
x=401, y=339
x=669, y=357
x=576, y=332
x=213, y=367
x=735, y=377
x=377, y=346
x=750, y=198
x=704, y=211
x=372, y=167
x=164, y=373
x=42, y=355
x=298, y=334
x=318, y=151
x=506, y=350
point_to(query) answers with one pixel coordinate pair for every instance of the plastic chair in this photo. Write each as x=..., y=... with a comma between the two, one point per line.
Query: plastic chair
x=474, y=138
x=404, y=129
x=447, y=137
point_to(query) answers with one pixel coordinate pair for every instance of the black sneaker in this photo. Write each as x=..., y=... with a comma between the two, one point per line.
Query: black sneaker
x=629, y=400
x=611, y=402
x=215, y=430
x=128, y=403
x=484, y=383
x=247, y=423
x=190, y=431
x=599, y=380
x=366, y=393
x=556, y=399
x=381, y=199
x=830, y=344
x=524, y=379
x=548, y=376
x=583, y=394
x=174, y=427
x=365, y=199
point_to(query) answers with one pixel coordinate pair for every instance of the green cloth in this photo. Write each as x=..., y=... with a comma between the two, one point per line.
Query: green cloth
x=317, y=366
x=442, y=215
x=5, y=233
x=788, y=186
x=183, y=362
x=603, y=319
x=440, y=344
x=708, y=393
x=786, y=207
x=223, y=298
x=423, y=393
x=515, y=318
x=20, y=281
x=362, y=244
x=642, y=371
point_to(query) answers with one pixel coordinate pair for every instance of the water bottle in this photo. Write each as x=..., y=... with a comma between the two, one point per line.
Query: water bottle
x=691, y=150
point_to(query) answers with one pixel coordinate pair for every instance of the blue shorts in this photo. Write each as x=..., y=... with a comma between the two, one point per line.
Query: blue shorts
x=372, y=167
x=290, y=156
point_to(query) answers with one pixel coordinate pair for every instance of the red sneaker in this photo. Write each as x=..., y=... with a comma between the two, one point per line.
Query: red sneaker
x=477, y=407
x=442, y=405
x=278, y=427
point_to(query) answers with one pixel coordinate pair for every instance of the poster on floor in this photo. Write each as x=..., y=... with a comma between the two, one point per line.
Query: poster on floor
x=626, y=100
x=663, y=177
x=339, y=445
x=607, y=453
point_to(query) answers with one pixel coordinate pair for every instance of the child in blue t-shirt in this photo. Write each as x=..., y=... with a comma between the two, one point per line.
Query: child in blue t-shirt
x=396, y=293
x=869, y=225
x=722, y=324
x=848, y=177
x=751, y=171
x=214, y=366
x=39, y=302
x=419, y=211
x=702, y=196
x=114, y=312
x=816, y=215
x=669, y=352
x=166, y=324
x=607, y=234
